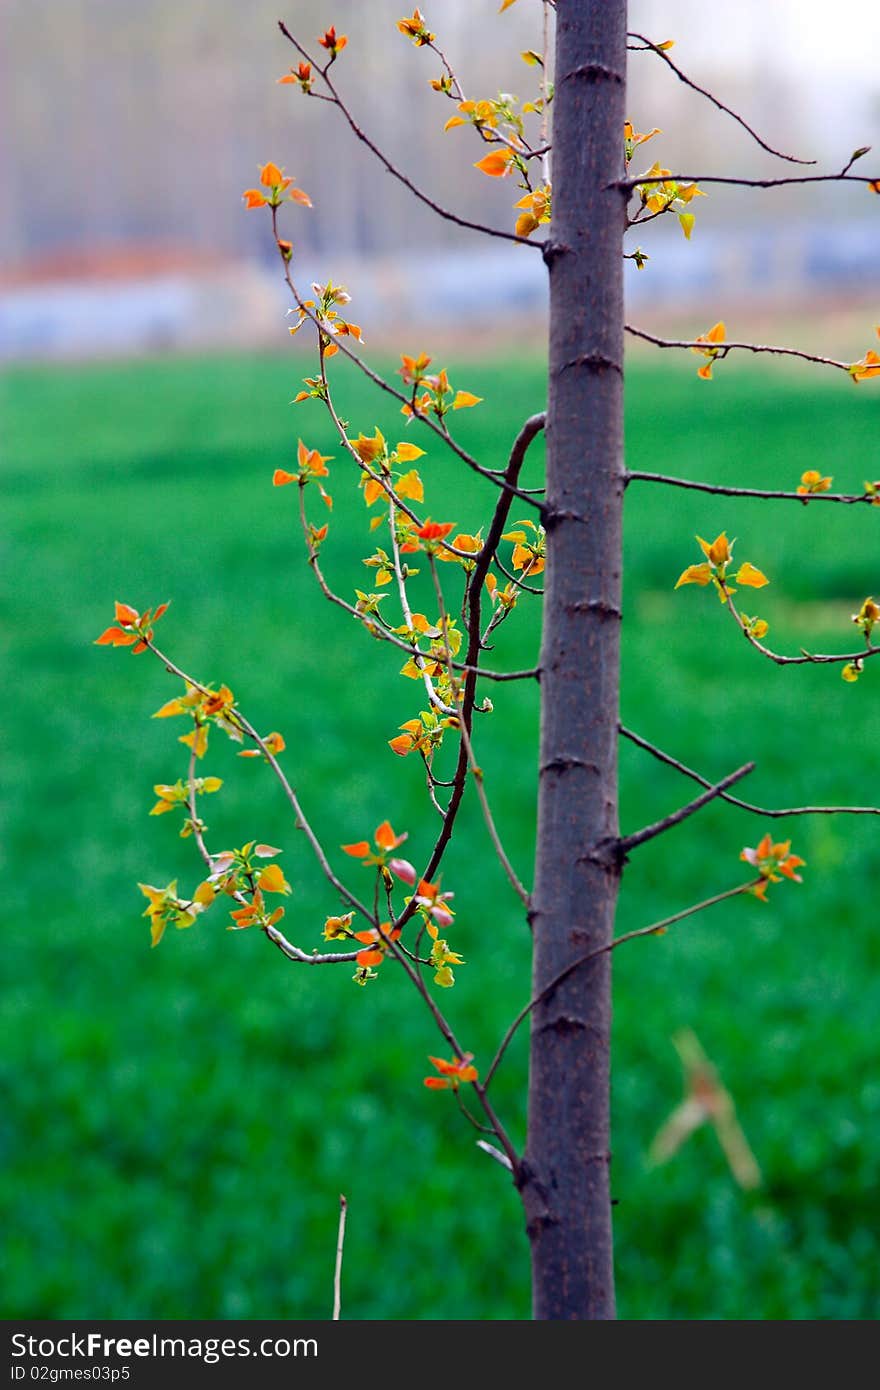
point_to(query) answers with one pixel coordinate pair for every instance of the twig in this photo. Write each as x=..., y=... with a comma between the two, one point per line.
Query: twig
x=337, y=1273
x=682, y=77
x=636, y=476
x=392, y=169
x=774, y=813
x=842, y=177
x=640, y=837
x=558, y=979
x=477, y=771
x=498, y=1156
x=524, y=438
x=301, y=820
x=721, y=350
x=275, y=936
x=442, y=432
x=805, y=658
x=383, y=633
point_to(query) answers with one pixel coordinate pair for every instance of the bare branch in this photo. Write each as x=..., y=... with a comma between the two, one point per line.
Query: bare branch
x=498, y=1156
x=392, y=169
x=337, y=1273
x=654, y=929
x=805, y=658
x=774, y=813
x=842, y=177
x=628, y=842
x=682, y=77
x=720, y=490
x=465, y=732
x=721, y=350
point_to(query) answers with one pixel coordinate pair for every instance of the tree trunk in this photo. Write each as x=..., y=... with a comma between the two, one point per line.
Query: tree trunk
x=565, y=1183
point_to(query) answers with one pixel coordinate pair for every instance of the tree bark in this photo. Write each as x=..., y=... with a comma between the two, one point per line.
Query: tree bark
x=565, y=1179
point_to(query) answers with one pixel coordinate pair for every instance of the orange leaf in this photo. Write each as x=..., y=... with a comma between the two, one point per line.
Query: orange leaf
x=271, y=176
x=115, y=637
x=280, y=478
x=272, y=880
x=496, y=164
x=126, y=614
x=695, y=574
x=358, y=850
x=385, y=836
x=372, y=489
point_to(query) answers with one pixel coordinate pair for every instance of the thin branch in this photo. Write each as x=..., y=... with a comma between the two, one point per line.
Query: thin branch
x=842, y=177
x=640, y=837
x=477, y=771
x=277, y=937
x=337, y=1273
x=442, y=432
x=636, y=476
x=498, y=1156
x=805, y=658
x=384, y=634
x=520, y=583
x=545, y=126
x=292, y=798
x=653, y=930
x=682, y=77
x=721, y=350
x=392, y=169
x=526, y=435
x=774, y=813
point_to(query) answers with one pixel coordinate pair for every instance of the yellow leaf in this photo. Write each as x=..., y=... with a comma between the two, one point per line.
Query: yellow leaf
x=407, y=453
x=526, y=224
x=505, y=5
x=687, y=220
x=751, y=577
x=464, y=399
x=204, y=894
x=454, y=121
x=410, y=485
x=695, y=574
x=372, y=490
x=718, y=552
x=167, y=710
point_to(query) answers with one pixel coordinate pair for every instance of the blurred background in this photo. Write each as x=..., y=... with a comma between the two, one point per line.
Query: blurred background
x=178, y=1124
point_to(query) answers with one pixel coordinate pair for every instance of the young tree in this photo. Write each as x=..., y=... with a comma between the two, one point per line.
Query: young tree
x=572, y=534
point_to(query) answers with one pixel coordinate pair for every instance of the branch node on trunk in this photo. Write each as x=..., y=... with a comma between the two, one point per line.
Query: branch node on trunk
x=563, y=1025
x=593, y=72
x=563, y=763
x=607, y=854
x=595, y=361
x=594, y=605
x=552, y=250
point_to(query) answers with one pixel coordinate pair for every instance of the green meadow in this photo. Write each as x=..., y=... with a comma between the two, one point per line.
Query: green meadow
x=178, y=1123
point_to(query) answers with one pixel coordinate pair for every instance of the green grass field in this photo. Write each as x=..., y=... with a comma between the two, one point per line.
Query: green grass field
x=178, y=1123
